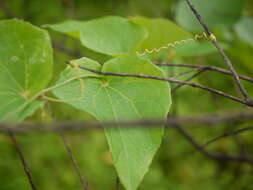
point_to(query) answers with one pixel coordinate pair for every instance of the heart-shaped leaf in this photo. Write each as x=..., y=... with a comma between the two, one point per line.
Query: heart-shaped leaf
x=110, y=35
x=114, y=98
x=25, y=68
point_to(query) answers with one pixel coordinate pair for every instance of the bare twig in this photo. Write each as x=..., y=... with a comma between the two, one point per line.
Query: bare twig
x=206, y=67
x=190, y=78
x=171, y=80
x=117, y=183
x=23, y=161
x=222, y=53
x=214, y=156
x=181, y=74
x=75, y=53
x=211, y=120
x=74, y=162
x=61, y=47
x=228, y=134
x=6, y=10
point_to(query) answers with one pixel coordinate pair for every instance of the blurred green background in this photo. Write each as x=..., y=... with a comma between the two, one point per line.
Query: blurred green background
x=176, y=165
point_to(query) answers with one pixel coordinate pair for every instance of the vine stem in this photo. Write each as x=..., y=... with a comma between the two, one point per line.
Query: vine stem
x=221, y=51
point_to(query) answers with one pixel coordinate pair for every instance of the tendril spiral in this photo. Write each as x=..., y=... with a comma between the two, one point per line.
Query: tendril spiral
x=197, y=37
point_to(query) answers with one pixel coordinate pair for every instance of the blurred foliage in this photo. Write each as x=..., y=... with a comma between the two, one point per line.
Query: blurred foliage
x=176, y=166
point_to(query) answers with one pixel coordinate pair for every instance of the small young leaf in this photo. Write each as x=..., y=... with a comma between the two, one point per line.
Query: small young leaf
x=114, y=98
x=25, y=68
x=110, y=35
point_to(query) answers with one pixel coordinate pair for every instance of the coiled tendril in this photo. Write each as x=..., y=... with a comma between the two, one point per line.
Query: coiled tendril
x=197, y=37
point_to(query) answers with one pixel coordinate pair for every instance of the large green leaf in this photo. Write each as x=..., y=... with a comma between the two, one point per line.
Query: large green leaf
x=110, y=35
x=160, y=32
x=25, y=68
x=113, y=98
x=216, y=13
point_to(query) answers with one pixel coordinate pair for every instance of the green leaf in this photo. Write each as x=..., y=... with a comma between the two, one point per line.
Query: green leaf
x=244, y=30
x=113, y=98
x=216, y=13
x=197, y=48
x=110, y=35
x=160, y=32
x=25, y=68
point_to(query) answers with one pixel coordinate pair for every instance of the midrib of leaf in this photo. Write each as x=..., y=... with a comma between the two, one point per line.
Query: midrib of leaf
x=94, y=101
x=136, y=111
x=131, y=102
x=125, y=97
x=120, y=132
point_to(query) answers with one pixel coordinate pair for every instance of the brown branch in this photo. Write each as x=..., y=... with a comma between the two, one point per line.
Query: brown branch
x=190, y=78
x=117, y=183
x=250, y=104
x=182, y=74
x=23, y=161
x=74, y=162
x=211, y=155
x=211, y=120
x=206, y=67
x=228, y=134
x=6, y=10
x=61, y=47
x=222, y=53
x=75, y=53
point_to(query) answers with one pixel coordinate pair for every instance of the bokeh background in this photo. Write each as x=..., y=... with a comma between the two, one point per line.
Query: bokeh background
x=177, y=165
